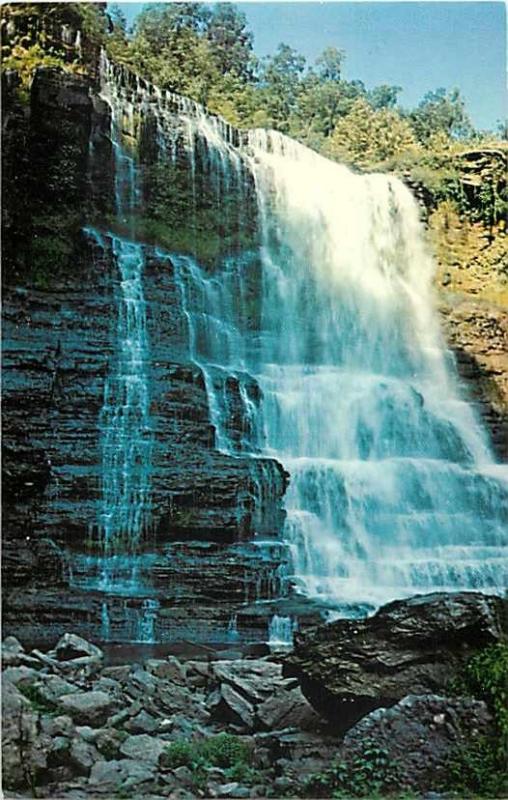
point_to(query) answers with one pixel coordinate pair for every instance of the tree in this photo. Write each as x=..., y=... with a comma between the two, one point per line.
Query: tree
x=365, y=137
x=441, y=111
x=230, y=41
x=281, y=80
x=383, y=96
x=329, y=64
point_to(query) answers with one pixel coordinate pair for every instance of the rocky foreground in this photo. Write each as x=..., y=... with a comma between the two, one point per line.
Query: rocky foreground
x=76, y=727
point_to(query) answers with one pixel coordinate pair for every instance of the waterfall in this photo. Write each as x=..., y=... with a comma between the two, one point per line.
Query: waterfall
x=281, y=631
x=393, y=490
x=322, y=336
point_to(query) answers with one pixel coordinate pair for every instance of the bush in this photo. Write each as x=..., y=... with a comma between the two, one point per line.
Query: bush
x=480, y=765
x=366, y=775
x=224, y=750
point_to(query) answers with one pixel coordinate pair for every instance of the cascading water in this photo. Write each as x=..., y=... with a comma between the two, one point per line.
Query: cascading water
x=393, y=489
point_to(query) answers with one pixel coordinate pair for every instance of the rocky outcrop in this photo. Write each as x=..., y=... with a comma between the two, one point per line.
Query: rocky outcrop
x=111, y=730
x=418, y=736
x=478, y=335
x=60, y=320
x=351, y=667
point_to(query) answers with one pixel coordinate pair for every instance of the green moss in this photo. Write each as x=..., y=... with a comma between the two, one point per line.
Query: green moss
x=480, y=764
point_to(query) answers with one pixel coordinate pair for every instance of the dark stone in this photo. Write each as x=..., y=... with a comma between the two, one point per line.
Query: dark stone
x=351, y=667
x=418, y=735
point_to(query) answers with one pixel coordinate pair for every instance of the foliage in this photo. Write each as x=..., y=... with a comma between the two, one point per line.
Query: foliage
x=365, y=135
x=225, y=751
x=37, y=700
x=365, y=775
x=441, y=111
x=480, y=764
x=32, y=35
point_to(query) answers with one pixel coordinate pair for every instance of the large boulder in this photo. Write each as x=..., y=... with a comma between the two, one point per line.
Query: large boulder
x=351, y=667
x=88, y=708
x=417, y=736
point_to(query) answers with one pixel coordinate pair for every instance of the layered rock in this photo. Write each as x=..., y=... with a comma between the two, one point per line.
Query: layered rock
x=351, y=667
x=60, y=321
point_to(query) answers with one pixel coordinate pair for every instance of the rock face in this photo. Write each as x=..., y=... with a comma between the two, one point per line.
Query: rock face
x=60, y=322
x=351, y=667
x=478, y=334
x=418, y=735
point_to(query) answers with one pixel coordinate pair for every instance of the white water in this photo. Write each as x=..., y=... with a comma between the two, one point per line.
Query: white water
x=281, y=631
x=393, y=488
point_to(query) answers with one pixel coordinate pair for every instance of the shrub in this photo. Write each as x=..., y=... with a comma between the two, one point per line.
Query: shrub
x=365, y=775
x=480, y=765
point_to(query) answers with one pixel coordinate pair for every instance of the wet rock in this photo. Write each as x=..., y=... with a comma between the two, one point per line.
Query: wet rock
x=418, y=734
x=88, y=708
x=350, y=667
x=70, y=646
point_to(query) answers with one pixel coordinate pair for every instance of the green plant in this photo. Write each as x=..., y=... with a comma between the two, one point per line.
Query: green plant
x=37, y=700
x=480, y=765
x=365, y=775
x=224, y=750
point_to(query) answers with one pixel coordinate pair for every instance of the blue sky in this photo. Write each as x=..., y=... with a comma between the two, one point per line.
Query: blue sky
x=417, y=45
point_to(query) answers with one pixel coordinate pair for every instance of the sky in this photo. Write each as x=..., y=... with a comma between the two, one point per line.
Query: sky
x=417, y=45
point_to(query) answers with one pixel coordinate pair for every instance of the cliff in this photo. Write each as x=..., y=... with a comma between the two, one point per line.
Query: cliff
x=61, y=290
x=62, y=295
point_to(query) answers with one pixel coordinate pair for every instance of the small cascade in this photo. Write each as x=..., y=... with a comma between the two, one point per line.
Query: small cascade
x=146, y=621
x=125, y=422
x=281, y=631
x=232, y=632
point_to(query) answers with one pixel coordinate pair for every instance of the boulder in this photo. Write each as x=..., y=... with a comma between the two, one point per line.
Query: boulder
x=169, y=669
x=82, y=756
x=348, y=668
x=141, y=723
x=228, y=705
x=287, y=709
x=88, y=708
x=71, y=646
x=22, y=754
x=418, y=734
x=147, y=748
x=12, y=651
x=111, y=777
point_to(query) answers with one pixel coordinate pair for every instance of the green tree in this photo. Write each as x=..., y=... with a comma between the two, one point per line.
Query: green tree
x=383, y=96
x=231, y=41
x=281, y=80
x=329, y=64
x=441, y=111
x=366, y=137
